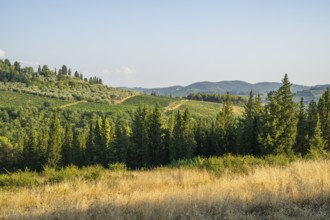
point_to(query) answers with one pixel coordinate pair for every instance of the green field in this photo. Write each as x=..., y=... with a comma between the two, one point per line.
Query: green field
x=167, y=104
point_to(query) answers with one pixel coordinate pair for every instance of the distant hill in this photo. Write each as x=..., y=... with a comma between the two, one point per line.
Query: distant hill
x=61, y=83
x=236, y=88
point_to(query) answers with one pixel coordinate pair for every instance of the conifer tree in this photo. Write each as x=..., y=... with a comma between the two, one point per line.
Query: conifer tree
x=67, y=148
x=55, y=142
x=138, y=154
x=250, y=126
x=30, y=150
x=156, y=137
x=122, y=141
x=324, y=111
x=90, y=152
x=317, y=143
x=301, y=145
x=225, y=128
x=280, y=121
x=105, y=145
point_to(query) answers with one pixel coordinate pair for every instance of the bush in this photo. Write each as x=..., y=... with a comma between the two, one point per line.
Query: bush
x=117, y=167
x=19, y=179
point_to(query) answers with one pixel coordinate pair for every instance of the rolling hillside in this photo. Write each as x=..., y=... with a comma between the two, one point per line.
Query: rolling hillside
x=236, y=88
x=10, y=99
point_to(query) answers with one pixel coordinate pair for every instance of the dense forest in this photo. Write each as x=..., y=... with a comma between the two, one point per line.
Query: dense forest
x=37, y=137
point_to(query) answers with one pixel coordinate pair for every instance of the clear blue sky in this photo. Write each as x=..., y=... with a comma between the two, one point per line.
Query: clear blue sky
x=172, y=42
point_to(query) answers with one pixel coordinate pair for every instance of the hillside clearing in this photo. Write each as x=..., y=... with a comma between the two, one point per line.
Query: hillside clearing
x=174, y=105
x=298, y=191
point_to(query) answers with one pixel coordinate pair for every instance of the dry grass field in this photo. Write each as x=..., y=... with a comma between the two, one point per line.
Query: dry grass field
x=300, y=190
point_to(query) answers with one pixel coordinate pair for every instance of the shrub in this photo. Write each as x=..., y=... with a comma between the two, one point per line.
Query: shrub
x=117, y=167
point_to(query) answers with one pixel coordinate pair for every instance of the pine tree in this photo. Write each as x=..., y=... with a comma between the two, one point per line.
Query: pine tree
x=301, y=145
x=55, y=142
x=324, y=111
x=250, y=126
x=105, y=145
x=122, y=141
x=317, y=143
x=156, y=137
x=90, y=147
x=100, y=153
x=30, y=151
x=225, y=128
x=67, y=148
x=138, y=151
x=280, y=121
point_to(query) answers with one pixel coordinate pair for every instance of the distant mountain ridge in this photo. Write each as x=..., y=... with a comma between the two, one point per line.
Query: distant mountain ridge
x=235, y=87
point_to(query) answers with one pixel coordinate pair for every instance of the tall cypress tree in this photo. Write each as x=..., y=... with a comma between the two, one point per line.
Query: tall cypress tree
x=106, y=138
x=55, y=142
x=67, y=156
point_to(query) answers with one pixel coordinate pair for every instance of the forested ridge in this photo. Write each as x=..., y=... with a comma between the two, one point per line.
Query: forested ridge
x=37, y=137
x=59, y=83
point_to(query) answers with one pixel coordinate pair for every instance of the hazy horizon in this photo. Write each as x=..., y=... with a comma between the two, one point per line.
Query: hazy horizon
x=160, y=44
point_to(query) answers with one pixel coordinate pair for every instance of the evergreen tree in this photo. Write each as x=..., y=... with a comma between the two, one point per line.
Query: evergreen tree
x=30, y=150
x=100, y=153
x=280, y=121
x=225, y=128
x=317, y=143
x=122, y=141
x=250, y=126
x=64, y=70
x=55, y=142
x=183, y=143
x=301, y=145
x=67, y=148
x=311, y=118
x=138, y=151
x=156, y=137
x=90, y=146
x=324, y=111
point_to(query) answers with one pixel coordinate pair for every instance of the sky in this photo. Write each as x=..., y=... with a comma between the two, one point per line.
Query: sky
x=144, y=43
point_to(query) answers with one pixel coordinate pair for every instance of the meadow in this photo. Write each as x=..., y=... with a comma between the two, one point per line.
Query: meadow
x=262, y=190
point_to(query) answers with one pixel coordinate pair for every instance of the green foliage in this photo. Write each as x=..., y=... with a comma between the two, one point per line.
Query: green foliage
x=218, y=98
x=19, y=179
x=117, y=167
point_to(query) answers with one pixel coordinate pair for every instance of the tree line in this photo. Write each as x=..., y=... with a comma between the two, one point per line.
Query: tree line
x=218, y=98
x=15, y=73
x=147, y=137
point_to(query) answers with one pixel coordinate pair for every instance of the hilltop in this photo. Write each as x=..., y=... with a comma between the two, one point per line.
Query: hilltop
x=236, y=87
x=61, y=83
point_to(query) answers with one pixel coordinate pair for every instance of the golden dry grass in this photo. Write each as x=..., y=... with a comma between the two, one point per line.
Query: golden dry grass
x=298, y=191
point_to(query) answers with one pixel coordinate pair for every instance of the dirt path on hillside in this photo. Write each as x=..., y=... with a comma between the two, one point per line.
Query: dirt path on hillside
x=174, y=105
x=117, y=102
x=73, y=103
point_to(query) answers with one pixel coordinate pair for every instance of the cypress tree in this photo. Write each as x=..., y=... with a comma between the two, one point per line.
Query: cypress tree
x=106, y=139
x=67, y=156
x=55, y=142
